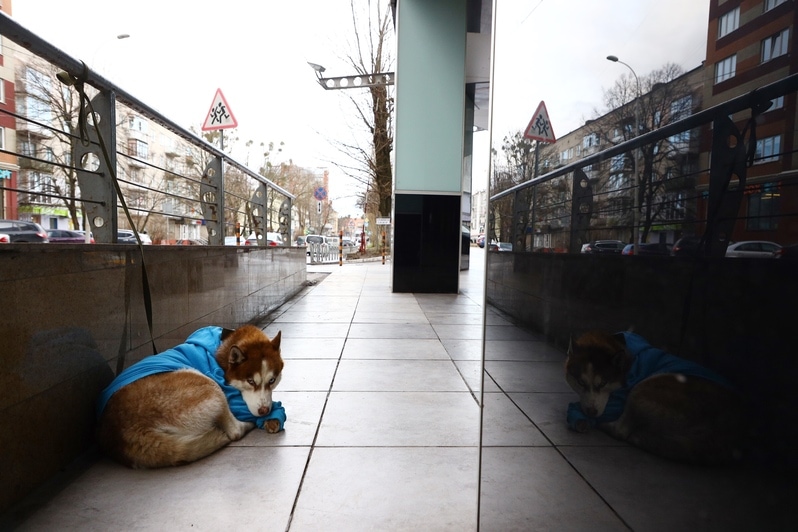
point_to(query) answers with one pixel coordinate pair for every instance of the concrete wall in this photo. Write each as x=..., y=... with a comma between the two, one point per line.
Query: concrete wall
x=72, y=319
x=732, y=315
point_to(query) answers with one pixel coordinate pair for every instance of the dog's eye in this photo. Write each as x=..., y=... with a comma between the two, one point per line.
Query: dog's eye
x=581, y=383
x=271, y=381
x=251, y=382
x=601, y=385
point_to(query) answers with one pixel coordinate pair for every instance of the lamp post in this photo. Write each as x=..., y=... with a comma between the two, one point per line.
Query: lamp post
x=635, y=177
x=357, y=81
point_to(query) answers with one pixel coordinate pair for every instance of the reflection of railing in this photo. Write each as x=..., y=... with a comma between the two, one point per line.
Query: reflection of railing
x=705, y=191
x=176, y=185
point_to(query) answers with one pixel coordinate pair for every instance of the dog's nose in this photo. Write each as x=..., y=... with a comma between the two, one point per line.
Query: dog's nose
x=262, y=411
x=591, y=412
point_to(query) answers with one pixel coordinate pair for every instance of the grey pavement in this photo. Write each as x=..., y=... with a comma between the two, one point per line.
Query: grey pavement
x=382, y=393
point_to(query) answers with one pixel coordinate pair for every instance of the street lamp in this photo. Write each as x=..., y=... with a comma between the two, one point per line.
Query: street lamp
x=357, y=81
x=635, y=179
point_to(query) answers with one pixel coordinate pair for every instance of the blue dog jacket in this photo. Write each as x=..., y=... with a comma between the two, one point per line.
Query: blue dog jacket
x=197, y=353
x=648, y=361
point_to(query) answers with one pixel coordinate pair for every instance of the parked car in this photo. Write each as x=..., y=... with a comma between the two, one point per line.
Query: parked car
x=752, y=248
x=481, y=241
x=231, y=241
x=787, y=252
x=274, y=239
x=127, y=236
x=500, y=246
x=65, y=236
x=300, y=241
x=687, y=246
x=604, y=246
x=19, y=231
x=192, y=242
x=5, y=239
x=648, y=248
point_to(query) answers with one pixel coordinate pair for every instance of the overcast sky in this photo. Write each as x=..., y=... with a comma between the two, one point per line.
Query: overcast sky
x=180, y=51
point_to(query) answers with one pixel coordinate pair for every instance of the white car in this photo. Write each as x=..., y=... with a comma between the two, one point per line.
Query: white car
x=752, y=248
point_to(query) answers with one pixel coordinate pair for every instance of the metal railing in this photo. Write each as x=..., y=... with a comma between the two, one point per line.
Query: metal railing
x=81, y=149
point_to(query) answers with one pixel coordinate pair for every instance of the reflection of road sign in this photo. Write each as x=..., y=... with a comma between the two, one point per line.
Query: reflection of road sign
x=539, y=127
x=320, y=194
x=383, y=221
x=319, y=208
x=220, y=116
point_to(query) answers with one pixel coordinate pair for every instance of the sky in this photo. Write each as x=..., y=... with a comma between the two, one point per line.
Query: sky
x=181, y=51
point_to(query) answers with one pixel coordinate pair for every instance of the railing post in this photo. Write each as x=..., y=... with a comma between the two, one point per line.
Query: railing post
x=95, y=172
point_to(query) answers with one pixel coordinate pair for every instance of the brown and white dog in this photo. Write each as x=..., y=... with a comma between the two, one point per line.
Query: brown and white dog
x=172, y=417
x=664, y=404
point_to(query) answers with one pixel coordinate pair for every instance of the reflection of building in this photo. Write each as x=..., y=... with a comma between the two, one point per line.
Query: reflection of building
x=666, y=168
x=749, y=45
x=8, y=162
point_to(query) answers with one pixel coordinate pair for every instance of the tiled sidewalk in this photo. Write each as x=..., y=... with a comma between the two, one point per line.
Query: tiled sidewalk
x=383, y=433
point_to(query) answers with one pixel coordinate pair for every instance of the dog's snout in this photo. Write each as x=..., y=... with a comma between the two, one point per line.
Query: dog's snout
x=263, y=410
x=591, y=411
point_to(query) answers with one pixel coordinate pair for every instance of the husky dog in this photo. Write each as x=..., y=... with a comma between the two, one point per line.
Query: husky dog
x=189, y=401
x=666, y=405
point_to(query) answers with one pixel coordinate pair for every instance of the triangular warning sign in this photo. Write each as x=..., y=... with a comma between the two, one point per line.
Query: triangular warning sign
x=539, y=127
x=220, y=116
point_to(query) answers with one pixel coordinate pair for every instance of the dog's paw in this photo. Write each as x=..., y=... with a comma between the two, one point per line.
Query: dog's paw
x=272, y=426
x=582, y=426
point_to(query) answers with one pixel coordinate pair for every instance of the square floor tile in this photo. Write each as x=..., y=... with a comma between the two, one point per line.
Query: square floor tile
x=528, y=376
x=394, y=348
x=204, y=495
x=534, y=488
x=293, y=347
x=504, y=424
x=398, y=376
x=399, y=419
x=307, y=376
x=391, y=330
x=687, y=497
x=522, y=350
x=367, y=489
x=463, y=349
x=308, y=330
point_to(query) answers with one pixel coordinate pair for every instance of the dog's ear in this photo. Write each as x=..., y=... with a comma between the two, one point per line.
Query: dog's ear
x=276, y=340
x=226, y=332
x=236, y=356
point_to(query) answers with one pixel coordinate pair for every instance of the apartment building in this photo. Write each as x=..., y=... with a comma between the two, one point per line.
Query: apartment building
x=750, y=43
x=8, y=162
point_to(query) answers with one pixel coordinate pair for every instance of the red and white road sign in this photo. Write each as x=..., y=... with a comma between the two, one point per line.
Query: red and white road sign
x=539, y=127
x=220, y=116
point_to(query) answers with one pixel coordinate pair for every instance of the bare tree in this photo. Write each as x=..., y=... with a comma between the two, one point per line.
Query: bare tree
x=370, y=54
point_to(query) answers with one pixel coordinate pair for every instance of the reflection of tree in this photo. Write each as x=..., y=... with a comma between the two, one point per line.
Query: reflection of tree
x=52, y=110
x=544, y=206
x=665, y=166
x=301, y=182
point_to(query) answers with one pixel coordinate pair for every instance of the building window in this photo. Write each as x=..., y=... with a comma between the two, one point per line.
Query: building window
x=770, y=4
x=137, y=148
x=768, y=150
x=725, y=69
x=590, y=141
x=681, y=108
x=136, y=123
x=2, y=90
x=729, y=22
x=763, y=209
x=776, y=103
x=775, y=45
